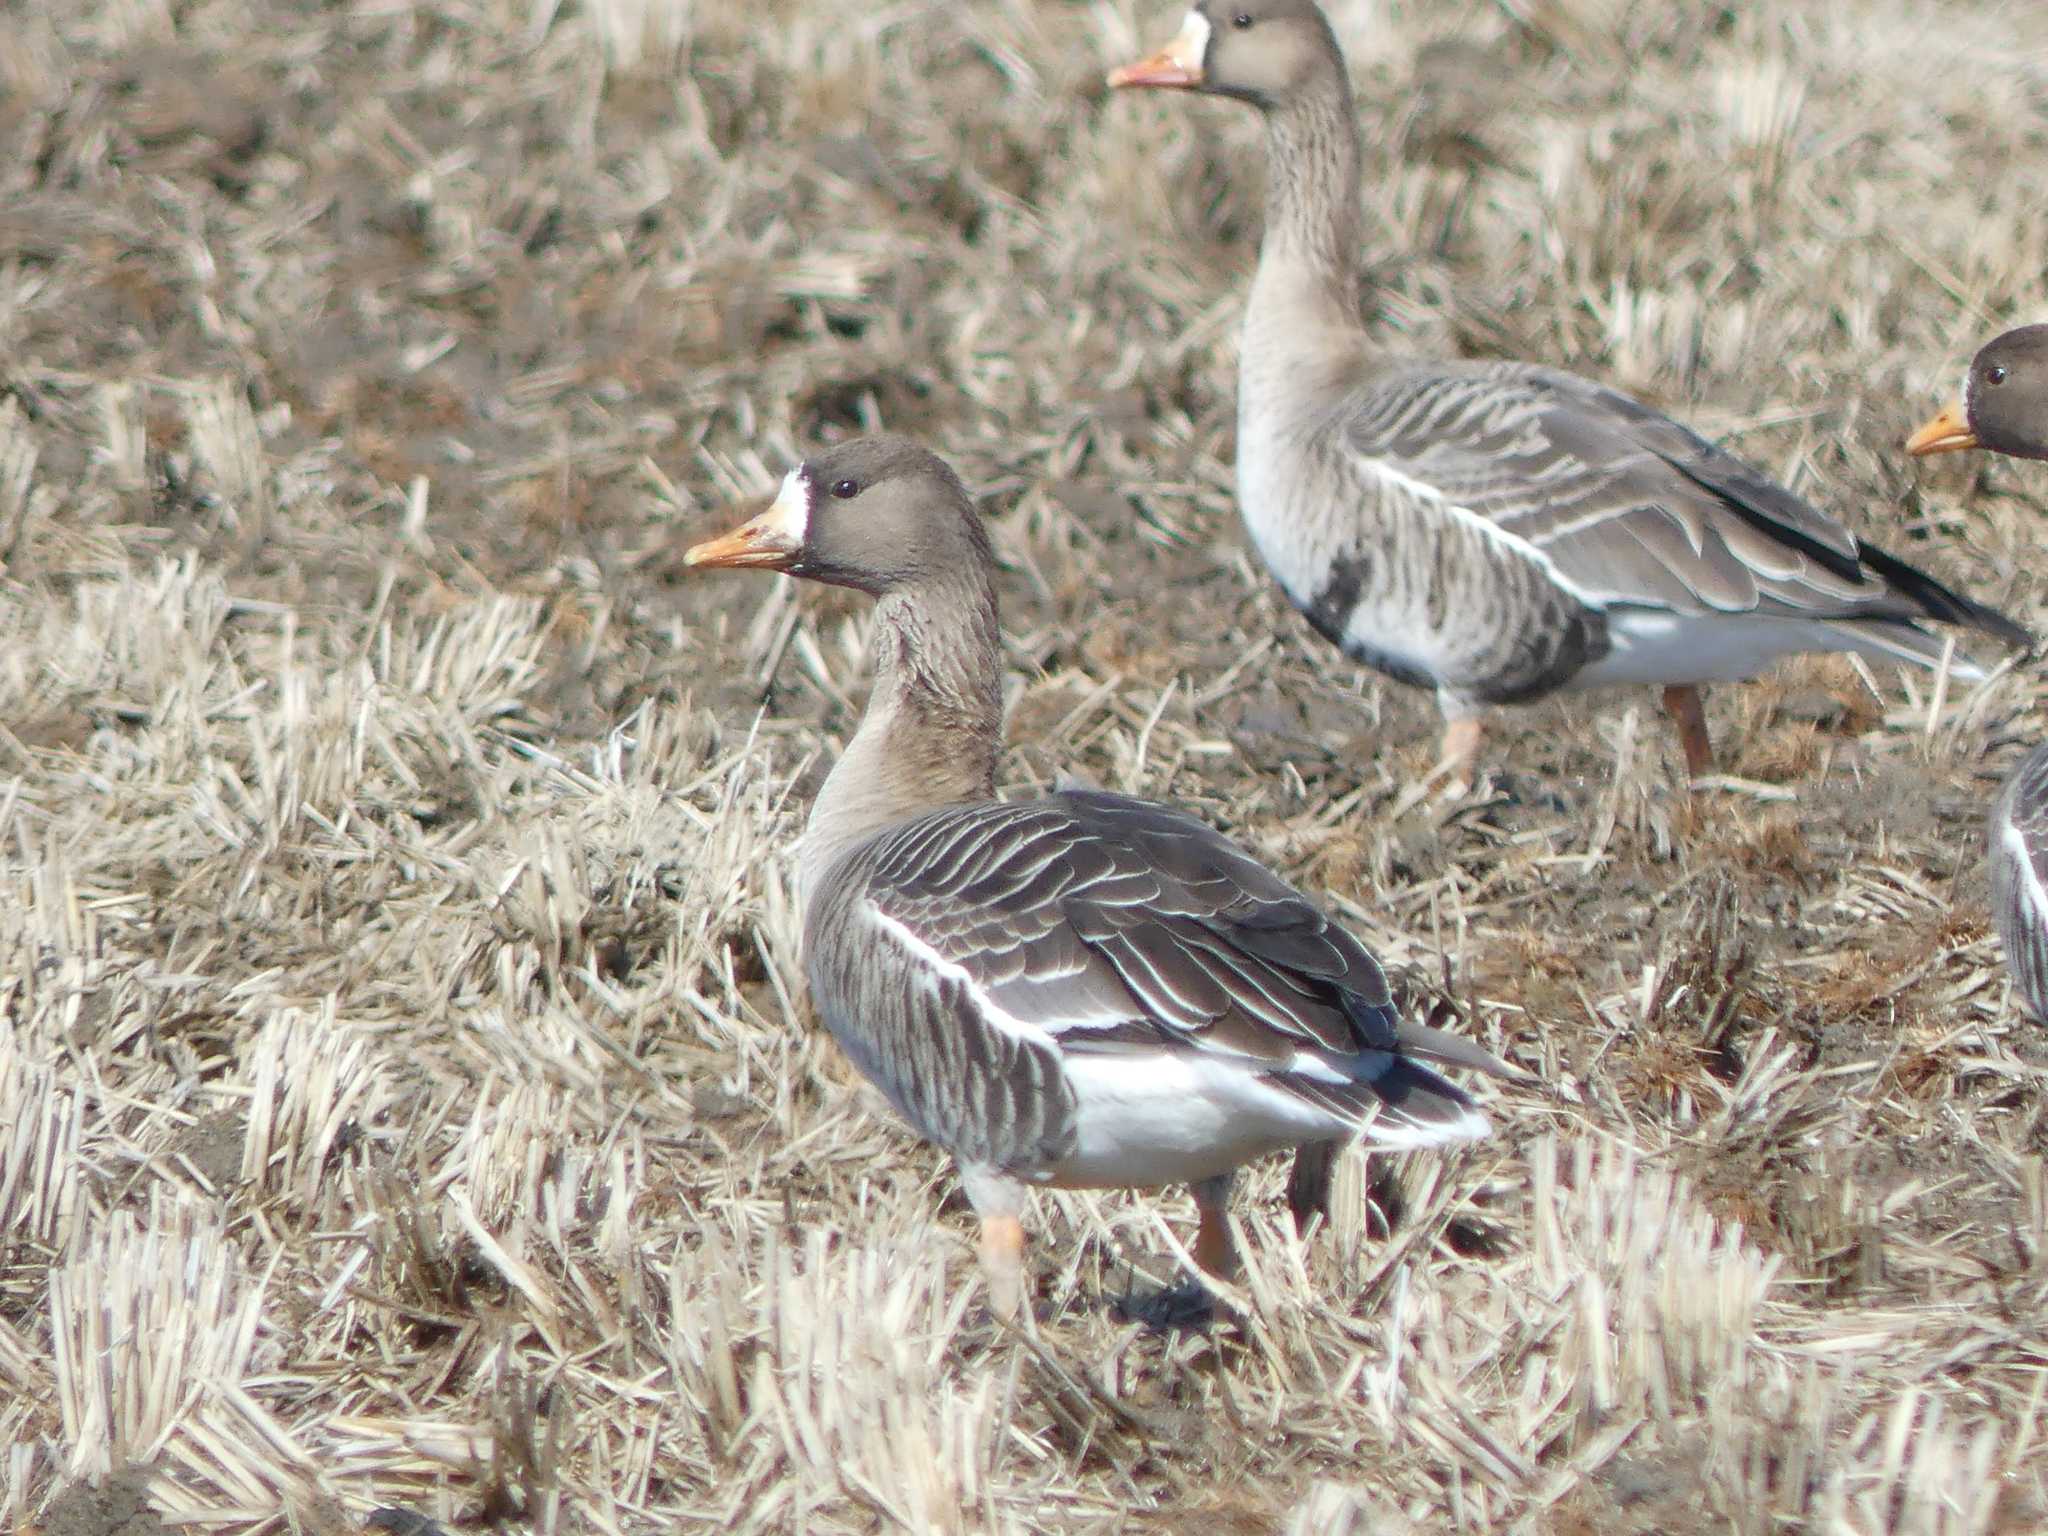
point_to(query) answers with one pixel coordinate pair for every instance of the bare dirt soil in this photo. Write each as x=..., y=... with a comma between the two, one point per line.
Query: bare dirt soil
x=407, y=1100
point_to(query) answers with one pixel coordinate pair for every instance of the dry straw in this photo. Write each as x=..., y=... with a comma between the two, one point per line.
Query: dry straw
x=407, y=1098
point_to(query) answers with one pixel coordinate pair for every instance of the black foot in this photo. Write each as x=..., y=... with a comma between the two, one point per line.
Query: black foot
x=1185, y=1308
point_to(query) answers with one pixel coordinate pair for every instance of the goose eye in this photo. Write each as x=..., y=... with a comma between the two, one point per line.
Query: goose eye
x=1242, y=20
x=845, y=489
x=1995, y=374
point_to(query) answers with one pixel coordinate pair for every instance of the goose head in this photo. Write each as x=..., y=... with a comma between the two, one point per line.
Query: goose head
x=2003, y=405
x=1261, y=51
x=880, y=514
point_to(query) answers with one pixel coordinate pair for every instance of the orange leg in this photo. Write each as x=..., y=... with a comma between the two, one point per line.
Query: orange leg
x=1459, y=760
x=1191, y=1304
x=1682, y=703
x=1002, y=1261
x=1214, y=1250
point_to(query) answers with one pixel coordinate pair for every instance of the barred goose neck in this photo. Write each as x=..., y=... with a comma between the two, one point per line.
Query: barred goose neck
x=1307, y=283
x=933, y=723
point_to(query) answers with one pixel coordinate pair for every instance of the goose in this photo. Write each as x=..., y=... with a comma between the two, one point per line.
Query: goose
x=2003, y=406
x=1498, y=531
x=1081, y=989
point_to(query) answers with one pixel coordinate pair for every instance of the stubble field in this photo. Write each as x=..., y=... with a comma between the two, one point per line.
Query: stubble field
x=407, y=1098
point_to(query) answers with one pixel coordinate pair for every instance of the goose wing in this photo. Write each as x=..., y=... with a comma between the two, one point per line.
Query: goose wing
x=1626, y=506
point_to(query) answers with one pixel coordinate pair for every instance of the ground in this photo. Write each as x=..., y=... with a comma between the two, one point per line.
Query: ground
x=408, y=1101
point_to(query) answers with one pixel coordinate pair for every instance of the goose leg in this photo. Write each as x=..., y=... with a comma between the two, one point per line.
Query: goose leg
x=1682, y=703
x=999, y=1202
x=1458, y=763
x=1308, y=1183
x=1214, y=1250
x=1189, y=1304
x=1002, y=1262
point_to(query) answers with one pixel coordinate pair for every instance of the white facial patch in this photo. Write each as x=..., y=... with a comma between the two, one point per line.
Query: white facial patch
x=1191, y=44
x=789, y=516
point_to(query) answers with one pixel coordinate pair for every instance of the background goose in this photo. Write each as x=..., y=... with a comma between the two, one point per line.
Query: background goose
x=1497, y=531
x=1083, y=989
x=2003, y=406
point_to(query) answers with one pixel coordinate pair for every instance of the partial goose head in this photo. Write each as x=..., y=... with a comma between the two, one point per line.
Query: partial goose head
x=1262, y=51
x=880, y=514
x=2003, y=405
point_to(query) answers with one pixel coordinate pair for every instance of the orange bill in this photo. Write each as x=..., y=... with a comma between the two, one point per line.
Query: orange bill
x=772, y=540
x=1946, y=431
x=758, y=542
x=1177, y=65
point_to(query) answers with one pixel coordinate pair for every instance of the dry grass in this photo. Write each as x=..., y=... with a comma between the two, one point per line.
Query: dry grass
x=406, y=1098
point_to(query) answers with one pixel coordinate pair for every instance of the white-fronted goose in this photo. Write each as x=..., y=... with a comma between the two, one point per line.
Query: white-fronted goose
x=2003, y=406
x=1498, y=531
x=1083, y=989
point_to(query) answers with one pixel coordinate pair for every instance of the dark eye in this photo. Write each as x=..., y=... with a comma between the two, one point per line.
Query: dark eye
x=1995, y=374
x=1242, y=20
x=845, y=489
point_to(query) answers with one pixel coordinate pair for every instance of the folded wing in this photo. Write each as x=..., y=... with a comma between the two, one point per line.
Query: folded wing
x=1628, y=506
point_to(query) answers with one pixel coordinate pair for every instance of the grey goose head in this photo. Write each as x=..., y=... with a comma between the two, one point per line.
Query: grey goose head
x=1265, y=52
x=880, y=514
x=2003, y=405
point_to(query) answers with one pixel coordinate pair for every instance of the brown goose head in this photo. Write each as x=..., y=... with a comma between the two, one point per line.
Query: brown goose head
x=880, y=514
x=1262, y=51
x=2004, y=403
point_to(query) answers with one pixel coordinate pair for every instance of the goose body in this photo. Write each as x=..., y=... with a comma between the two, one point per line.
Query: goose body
x=1083, y=989
x=2016, y=847
x=1484, y=561
x=1498, y=532
x=2003, y=406
x=1125, y=999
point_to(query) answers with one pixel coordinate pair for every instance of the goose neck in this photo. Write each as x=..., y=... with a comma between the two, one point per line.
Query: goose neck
x=933, y=723
x=1307, y=282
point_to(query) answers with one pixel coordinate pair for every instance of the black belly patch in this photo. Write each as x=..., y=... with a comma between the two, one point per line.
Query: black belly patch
x=1549, y=659
x=1542, y=660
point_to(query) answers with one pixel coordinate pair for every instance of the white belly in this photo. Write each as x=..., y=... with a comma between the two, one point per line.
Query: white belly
x=1296, y=546
x=1667, y=648
x=1151, y=1120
